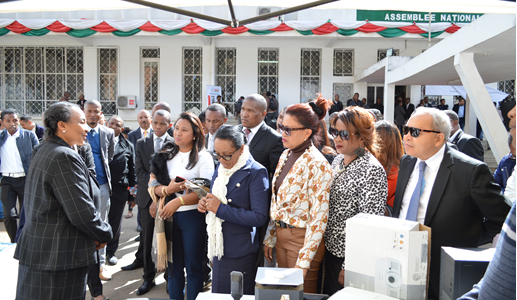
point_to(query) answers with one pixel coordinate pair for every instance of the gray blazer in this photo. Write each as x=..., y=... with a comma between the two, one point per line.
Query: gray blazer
x=62, y=223
x=143, y=151
x=107, y=141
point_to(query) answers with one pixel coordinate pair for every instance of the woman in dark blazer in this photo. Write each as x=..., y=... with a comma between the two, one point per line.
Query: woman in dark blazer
x=62, y=228
x=237, y=205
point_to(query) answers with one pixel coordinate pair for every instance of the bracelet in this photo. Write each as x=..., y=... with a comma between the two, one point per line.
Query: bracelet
x=182, y=201
x=164, y=191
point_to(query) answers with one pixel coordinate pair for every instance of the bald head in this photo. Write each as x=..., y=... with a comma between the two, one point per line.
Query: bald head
x=144, y=119
x=161, y=105
x=258, y=100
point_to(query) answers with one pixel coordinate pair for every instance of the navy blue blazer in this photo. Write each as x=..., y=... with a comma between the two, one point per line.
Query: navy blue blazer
x=135, y=135
x=40, y=131
x=248, y=206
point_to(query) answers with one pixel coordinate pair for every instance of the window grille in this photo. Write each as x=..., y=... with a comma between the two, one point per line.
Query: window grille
x=310, y=74
x=344, y=91
x=508, y=87
x=268, y=70
x=150, y=59
x=108, y=80
x=381, y=53
x=343, y=62
x=225, y=76
x=192, y=79
x=32, y=78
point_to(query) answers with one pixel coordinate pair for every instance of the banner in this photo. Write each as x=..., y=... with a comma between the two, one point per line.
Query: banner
x=413, y=16
x=212, y=92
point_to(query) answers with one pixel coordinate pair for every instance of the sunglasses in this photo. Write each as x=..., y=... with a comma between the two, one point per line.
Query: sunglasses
x=287, y=130
x=225, y=157
x=415, y=132
x=343, y=134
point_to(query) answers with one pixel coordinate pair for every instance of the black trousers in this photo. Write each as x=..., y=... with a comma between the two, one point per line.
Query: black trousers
x=146, y=241
x=118, y=203
x=332, y=268
x=94, y=282
x=12, y=189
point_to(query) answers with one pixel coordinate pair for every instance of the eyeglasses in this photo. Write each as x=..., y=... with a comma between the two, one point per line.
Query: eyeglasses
x=415, y=132
x=343, y=134
x=288, y=130
x=225, y=157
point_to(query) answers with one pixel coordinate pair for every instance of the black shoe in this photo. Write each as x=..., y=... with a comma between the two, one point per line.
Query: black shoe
x=135, y=265
x=137, y=239
x=111, y=259
x=139, y=228
x=145, y=287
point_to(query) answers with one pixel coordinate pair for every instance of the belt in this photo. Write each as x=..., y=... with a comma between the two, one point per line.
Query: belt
x=14, y=175
x=283, y=224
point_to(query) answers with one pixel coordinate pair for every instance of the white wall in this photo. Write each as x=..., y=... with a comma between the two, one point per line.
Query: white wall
x=170, y=69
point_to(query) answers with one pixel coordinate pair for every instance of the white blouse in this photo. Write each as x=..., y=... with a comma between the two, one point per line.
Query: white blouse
x=203, y=169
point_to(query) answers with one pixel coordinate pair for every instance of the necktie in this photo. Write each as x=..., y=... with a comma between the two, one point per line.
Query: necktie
x=145, y=133
x=412, y=210
x=92, y=132
x=247, y=133
x=157, y=144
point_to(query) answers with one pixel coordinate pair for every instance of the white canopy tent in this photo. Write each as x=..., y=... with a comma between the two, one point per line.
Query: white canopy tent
x=463, y=6
x=458, y=90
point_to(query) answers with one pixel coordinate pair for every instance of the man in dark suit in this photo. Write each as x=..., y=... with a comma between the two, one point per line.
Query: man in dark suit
x=102, y=141
x=215, y=117
x=466, y=143
x=144, y=129
x=265, y=145
x=378, y=105
x=459, y=109
x=337, y=105
x=164, y=106
x=122, y=169
x=354, y=101
x=145, y=148
x=409, y=108
x=27, y=124
x=445, y=189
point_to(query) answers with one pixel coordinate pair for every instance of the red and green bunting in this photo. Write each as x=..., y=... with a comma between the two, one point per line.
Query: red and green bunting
x=193, y=28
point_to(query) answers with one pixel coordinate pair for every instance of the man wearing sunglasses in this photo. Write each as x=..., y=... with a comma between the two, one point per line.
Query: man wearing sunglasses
x=445, y=189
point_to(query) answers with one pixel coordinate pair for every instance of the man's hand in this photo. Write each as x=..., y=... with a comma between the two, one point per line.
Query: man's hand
x=99, y=246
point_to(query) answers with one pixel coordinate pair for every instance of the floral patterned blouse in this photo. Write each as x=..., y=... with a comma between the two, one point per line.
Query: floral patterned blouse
x=302, y=201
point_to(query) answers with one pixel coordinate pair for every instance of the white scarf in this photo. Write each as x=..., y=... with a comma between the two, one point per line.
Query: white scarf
x=214, y=224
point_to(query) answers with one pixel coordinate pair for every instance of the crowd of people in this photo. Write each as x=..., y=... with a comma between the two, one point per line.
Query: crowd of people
x=279, y=188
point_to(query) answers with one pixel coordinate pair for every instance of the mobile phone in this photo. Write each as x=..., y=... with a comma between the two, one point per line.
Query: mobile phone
x=179, y=179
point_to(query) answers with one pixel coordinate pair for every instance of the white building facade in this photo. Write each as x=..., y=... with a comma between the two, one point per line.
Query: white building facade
x=36, y=70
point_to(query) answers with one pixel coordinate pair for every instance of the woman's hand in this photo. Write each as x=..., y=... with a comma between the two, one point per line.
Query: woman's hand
x=212, y=203
x=304, y=271
x=152, y=209
x=201, y=205
x=170, y=208
x=268, y=253
x=176, y=187
x=342, y=277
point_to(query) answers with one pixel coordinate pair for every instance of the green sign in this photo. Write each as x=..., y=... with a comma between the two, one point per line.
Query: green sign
x=413, y=16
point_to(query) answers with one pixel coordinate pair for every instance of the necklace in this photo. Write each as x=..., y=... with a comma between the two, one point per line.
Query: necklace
x=182, y=158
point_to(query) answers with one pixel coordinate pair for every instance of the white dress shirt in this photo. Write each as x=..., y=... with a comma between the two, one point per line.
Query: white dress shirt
x=10, y=159
x=431, y=170
x=96, y=129
x=211, y=140
x=162, y=137
x=451, y=139
x=253, y=132
x=461, y=111
x=142, y=131
x=116, y=140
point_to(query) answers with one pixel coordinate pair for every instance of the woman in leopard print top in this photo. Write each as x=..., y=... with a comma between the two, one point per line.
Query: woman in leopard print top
x=359, y=186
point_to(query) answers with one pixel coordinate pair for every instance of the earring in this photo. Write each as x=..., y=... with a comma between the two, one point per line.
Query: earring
x=194, y=139
x=64, y=131
x=359, y=152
